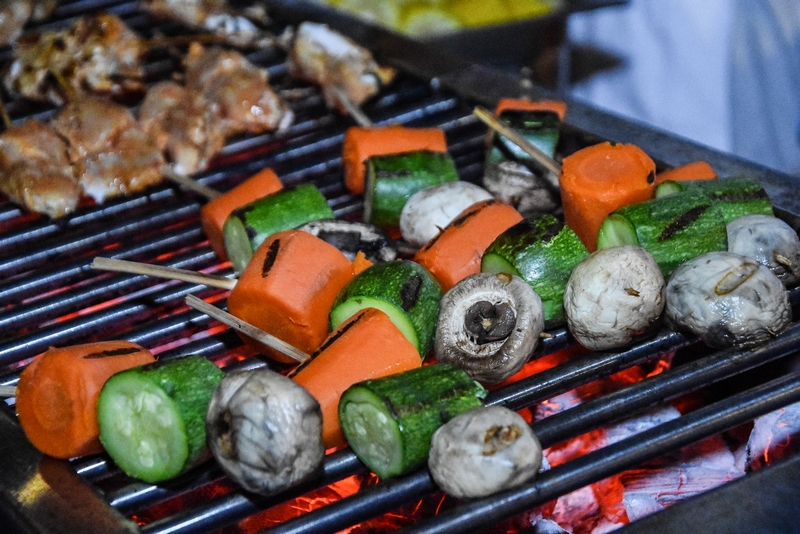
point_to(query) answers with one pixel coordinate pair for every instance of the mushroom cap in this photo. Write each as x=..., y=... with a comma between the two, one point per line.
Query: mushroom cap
x=768, y=240
x=727, y=299
x=504, y=303
x=429, y=210
x=264, y=430
x=483, y=451
x=613, y=295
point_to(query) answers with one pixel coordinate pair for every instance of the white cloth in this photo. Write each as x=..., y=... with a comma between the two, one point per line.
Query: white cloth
x=724, y=73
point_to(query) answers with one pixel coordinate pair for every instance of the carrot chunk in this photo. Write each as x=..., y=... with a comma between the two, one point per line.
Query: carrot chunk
x=288, y=289
x=367, y=345
x=557, y=107
x=57, y=394
x=215, y=212
x=360, y=144
x=600, y=178
x=456, y=251
x=696, y=170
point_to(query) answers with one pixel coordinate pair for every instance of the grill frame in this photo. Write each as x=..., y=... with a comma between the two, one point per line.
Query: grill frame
x=447, y=83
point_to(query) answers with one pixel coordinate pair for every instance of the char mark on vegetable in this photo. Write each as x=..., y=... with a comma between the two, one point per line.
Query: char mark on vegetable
x=682, y=222
x=409, y=293
x=269, y=260
x=112, y=353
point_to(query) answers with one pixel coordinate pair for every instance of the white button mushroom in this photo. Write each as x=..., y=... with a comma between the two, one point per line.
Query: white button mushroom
x=429, y=210
x=483, y=451
x=613, y=295
x=727, y=299
x=770, y=241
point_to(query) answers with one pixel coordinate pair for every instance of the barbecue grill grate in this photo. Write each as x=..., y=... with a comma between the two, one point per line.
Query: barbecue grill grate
x=50, y=297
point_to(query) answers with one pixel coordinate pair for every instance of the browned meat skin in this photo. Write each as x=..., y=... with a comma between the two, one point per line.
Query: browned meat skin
x=335, y=63
x=237, y=91
x=111, y=153
x=35, y=170
x=14, y=14
x=182, y=125
x=99, y=54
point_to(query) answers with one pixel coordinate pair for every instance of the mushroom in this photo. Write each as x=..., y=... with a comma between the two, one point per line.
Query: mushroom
x=352, y=236
x=515, y=184
x=489, y=324
x=429, y=210
x=770, y=241
x=483, y=451
x=727, y=299
x=613, y=295
x=264, y=430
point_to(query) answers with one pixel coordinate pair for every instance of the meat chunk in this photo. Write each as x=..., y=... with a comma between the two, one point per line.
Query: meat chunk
x=337, y=64
x=14, y=14
x=111, y=153
x=35, y=170
x=98, y=54
x=183, y=126
x=237, y=91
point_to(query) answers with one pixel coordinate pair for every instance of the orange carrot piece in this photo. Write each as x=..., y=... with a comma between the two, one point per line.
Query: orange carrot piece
x=367, y=345
x=600, y=178
x=360, y=263
x=360, y=144
x=215, y=212
x=288, y=289
x=456, y=251
x=696, y=170
x=560, y=108
x=57, y=394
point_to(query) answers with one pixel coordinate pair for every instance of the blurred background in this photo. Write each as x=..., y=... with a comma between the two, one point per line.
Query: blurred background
x=723, y=73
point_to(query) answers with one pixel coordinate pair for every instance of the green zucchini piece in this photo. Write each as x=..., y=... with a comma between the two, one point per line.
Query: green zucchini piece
x=402, y=289
x=392, y=179
x=673, y=228
x=542, y=251
x=389, y=422
x=248, y=226
x=152, y=418
x=541, y=128
x=734, y=197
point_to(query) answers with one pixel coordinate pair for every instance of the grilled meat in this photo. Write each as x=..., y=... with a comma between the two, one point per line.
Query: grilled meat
x=183, y=126
x=111, y=153
x=337, y=64
x=35, y=170
x=98, y=54
x=14, y=14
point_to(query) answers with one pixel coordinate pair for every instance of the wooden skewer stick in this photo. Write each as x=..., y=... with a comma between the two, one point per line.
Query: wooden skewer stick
x=246, y=328
x=551, y=165
x=159, y=271
x=7, y=124
x=359, y=116
x=189, y=183
x=8, y=391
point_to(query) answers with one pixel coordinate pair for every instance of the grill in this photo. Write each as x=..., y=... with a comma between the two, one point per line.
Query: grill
x=50, y=297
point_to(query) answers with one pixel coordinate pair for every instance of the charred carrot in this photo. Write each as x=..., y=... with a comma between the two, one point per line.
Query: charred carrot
x=522, y=104
x=600, y=178
x=215, y=212
x=368, y=345
x=456, y=251
x=696, y=170
x=288, y=288
x=57, y=394
x=362, y=143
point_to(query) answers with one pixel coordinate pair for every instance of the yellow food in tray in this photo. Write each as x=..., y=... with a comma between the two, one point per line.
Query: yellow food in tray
x=420, y=18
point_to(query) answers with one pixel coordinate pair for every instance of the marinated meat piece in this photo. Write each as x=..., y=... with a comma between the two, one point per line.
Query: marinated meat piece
x=97, y=55
x=212, y=15
x=321, y=56
x=35, y=170
x=182, y=125
x=236, y=90
x=111, y=153
x=14, y=14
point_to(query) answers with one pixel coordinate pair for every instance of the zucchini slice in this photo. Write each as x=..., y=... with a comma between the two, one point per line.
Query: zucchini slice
x=152, y=418
x=735, y=197
x=388, y=422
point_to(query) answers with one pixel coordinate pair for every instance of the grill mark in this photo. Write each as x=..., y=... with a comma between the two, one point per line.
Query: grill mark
x=409, y=293
x=269, y=260
x=681, y=223
x=122, y=351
